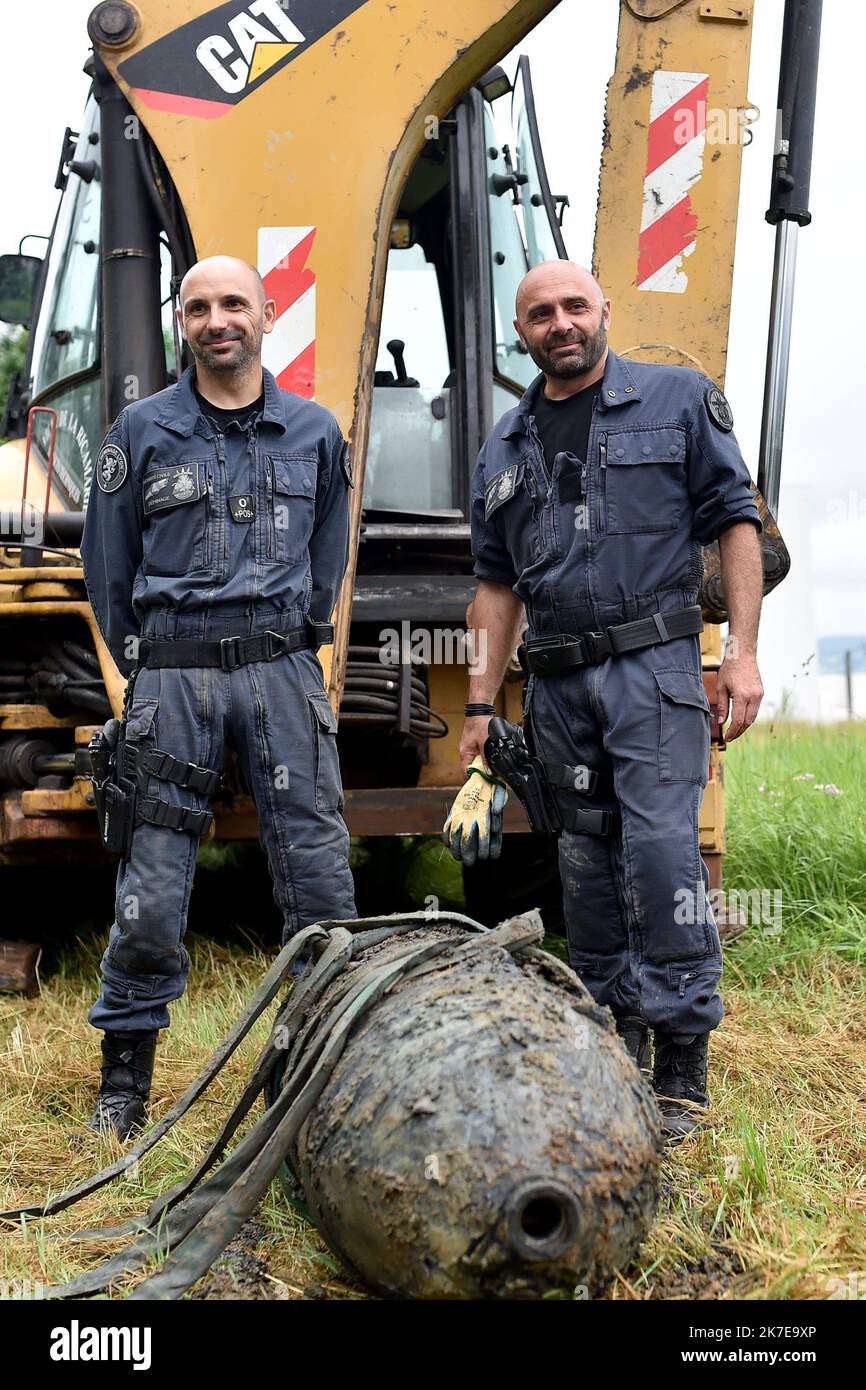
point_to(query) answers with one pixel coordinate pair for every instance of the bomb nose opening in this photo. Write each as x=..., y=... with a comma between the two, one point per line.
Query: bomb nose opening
x=543, y=1219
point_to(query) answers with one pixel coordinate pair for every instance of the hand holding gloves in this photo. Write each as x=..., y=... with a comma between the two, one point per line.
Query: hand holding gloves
x=473, y=829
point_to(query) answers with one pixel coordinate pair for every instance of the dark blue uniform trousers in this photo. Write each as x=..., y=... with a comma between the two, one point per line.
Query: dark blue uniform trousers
x=280, y=720
x=641, y=933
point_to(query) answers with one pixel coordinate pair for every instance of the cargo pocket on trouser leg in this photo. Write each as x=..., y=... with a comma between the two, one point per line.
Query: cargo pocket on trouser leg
x=329, y=784
x=684, y=727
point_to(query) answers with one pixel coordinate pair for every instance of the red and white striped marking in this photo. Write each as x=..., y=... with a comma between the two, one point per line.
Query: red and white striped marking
x=678, y=109
x=290, y=350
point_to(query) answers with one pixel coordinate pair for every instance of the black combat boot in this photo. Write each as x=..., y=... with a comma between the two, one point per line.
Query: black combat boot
x=127, y=1069
x=680, y=1082
x=634, y=1032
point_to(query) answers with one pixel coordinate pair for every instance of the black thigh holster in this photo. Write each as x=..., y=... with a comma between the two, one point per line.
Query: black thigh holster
x=549, y=792
x=113, y=793
x=120, y=771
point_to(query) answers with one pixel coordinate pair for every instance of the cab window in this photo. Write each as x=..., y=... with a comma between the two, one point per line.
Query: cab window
x=67, y=333
x=408, y=467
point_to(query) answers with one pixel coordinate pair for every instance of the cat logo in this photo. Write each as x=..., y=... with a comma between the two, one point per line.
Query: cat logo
x=207, y=66
x=259, y=45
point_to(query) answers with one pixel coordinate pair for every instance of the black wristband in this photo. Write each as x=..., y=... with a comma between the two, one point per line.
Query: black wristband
x=478, y=708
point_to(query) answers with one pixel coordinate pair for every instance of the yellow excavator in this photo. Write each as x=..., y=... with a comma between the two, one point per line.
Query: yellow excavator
x=387, y=178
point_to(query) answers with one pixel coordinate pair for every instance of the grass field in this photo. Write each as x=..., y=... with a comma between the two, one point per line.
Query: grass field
x=769, y=1202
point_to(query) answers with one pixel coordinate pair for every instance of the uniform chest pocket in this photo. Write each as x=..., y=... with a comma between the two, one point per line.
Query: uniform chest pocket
x=644, y=481
x=177, y=507
x=292, y=480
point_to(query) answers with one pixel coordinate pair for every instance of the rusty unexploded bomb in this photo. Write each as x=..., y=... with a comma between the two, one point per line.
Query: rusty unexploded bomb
x=485, y=1133
x=453, y=1110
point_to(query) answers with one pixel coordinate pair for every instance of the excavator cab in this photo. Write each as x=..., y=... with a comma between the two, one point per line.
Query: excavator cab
x=475, y=214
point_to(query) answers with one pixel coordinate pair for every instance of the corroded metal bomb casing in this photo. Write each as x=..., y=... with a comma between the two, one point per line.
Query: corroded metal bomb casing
x=484, y=1133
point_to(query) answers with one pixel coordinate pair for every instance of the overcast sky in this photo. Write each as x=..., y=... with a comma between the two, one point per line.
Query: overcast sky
x=572, y=54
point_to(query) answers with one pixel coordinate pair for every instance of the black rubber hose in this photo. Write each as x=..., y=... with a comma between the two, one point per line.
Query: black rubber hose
x=416, y=728
x=371, y=695
x=86, y=655
x=69, y=661
x=86, y=698
x=372, y=702
x=353, y=683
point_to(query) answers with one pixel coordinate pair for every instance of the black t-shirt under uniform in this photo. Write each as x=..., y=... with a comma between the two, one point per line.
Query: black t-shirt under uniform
x=563, y=427
x=221, y=418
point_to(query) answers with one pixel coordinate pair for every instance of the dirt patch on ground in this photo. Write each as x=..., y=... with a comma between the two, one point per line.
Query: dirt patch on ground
x=713, y=1276
x=719, y=1273
x=239, y=1273
x=244, y=1274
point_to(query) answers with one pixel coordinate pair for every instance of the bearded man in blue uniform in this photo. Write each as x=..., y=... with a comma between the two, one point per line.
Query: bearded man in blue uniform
x=592, y=500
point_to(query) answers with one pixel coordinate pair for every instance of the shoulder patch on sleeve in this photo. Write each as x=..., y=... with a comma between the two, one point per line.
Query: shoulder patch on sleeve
x=112, y=466
x=718, y=408
x=346, y=464
x=500, y=489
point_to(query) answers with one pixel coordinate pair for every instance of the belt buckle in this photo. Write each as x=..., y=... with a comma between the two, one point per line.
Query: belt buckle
x=318, y=634
x=230, y=657
x=537, y=650
x=276, y=644
x=547, y=644
x=597, y=645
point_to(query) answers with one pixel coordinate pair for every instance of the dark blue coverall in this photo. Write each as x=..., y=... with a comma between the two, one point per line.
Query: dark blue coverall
x=165, y=558
x=663, y=477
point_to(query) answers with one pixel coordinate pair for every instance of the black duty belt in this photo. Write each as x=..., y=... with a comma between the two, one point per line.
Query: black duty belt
x=549, y=655
x=233, y=652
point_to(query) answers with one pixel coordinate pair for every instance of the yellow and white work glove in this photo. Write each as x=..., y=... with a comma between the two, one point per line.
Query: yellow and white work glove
x=473, y=829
